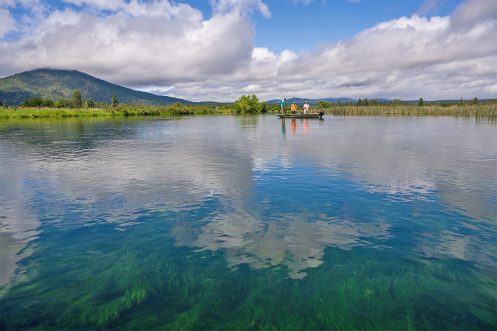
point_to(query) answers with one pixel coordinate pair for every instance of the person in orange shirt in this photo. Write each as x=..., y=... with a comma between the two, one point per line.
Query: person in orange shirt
x=293, y=108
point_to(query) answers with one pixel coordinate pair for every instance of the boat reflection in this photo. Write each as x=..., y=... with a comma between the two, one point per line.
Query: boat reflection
x=294, y=126
x=306, y=126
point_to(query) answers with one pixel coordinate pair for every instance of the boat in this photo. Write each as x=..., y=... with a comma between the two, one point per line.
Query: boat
x=310, y=115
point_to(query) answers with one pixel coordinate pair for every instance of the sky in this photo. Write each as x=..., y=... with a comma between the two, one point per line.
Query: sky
x=220, y=49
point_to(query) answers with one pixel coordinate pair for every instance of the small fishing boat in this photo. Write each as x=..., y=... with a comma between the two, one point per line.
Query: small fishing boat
x=310, y=115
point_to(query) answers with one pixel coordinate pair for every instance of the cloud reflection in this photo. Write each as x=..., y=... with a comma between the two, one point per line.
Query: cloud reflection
x=109, y=171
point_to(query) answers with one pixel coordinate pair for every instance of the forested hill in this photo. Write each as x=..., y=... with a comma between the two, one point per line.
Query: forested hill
x=61, y=84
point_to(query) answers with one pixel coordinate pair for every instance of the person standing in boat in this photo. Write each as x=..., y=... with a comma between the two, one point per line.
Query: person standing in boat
x=283, y=106
x=306, y=107
x=294, y=108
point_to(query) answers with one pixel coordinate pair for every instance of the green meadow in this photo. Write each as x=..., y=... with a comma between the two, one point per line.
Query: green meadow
x=121, y=110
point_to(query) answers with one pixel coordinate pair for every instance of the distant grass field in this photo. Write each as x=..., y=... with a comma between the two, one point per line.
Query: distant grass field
x=483, y=110
x=121, y=110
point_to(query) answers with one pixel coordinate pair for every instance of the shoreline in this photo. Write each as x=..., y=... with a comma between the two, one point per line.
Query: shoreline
x=484, y=110
x=120, y=111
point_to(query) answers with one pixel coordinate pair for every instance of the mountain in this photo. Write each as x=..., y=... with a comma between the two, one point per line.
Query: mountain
x=60, y=84
x=311, y=101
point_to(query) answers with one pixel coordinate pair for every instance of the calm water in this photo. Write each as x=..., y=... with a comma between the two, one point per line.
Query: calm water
x=371, y=223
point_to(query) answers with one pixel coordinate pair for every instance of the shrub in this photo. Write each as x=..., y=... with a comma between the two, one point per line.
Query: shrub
x=115, y=102
x=76, y=100
x=248, y=104
x=323, y=104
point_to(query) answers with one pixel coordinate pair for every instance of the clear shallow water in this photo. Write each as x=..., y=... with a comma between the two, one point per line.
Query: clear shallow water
x=377, y=223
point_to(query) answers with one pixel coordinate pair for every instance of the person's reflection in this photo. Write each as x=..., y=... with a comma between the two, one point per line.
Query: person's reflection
x=294, y=126
x=306, y=126
x=283, y=127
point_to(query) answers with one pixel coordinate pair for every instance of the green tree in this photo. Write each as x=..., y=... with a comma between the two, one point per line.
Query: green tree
x=460, y=102
x=323, y=104
x=475, y=101
x=32, y=102
x=115, y=102
x=365, y=102
x=248, y=104
x=421, y=102
x=396, y=102
x=359, y=102
x=76, y=100
x=264, y=107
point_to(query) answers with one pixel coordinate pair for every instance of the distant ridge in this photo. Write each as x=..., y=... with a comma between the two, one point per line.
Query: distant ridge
x=60, y=84
x=312, y=101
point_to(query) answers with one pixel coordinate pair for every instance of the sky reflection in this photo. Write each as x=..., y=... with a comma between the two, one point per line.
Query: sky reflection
x=286, y=191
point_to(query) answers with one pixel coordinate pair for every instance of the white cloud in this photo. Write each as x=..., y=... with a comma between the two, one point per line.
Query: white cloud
x=161, y=44
x=474, y=12
x=102, y=4
x=408, y=57
x=241, y=6
x=156, y=42
x=7, y=22
x=7, y=3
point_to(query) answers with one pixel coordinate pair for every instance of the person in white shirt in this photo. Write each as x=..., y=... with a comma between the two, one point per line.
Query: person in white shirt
x=306, y=107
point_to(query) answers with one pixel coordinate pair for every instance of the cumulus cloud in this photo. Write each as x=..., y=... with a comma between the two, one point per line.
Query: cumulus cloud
x=242, y=6
x=103, y=4
x=7, y=22
x=475, y=11
x=139, y=43
x=169, y=46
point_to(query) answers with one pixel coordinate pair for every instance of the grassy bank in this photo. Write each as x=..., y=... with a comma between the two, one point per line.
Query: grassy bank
x=121, y=110
x=483, y=110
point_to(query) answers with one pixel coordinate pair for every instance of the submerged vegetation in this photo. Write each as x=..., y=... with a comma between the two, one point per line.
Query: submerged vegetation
x=140, y=280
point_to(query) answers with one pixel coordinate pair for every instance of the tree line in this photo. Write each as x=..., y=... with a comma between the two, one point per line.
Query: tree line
x=76, y=101
x=246, y=104
x=250, y=104
x=397, y=102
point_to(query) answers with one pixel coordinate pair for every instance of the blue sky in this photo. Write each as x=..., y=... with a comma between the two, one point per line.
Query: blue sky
x=220, y=49
x=301, y=26
x=304, y=26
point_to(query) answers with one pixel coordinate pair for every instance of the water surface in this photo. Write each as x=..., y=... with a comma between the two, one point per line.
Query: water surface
x=372, y=223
